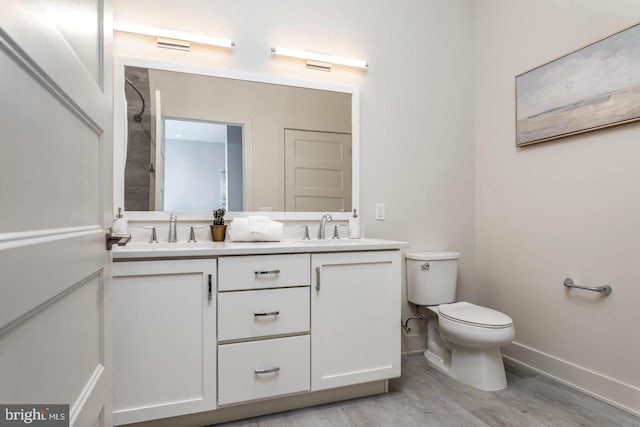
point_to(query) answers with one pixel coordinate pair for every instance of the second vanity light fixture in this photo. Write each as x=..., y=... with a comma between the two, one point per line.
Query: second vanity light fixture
x=173, y=39
x=320, y=61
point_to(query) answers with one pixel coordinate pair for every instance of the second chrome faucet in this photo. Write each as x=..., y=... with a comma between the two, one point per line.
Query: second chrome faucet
x=323, y=222
x=173, y=232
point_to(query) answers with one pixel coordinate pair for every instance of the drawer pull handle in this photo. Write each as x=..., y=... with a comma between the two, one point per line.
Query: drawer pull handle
x=266, y=371
x=270, y=313
x=264, y=272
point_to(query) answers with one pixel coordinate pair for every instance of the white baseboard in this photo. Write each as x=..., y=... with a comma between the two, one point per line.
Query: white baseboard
x=615, y=392
x=411, y=353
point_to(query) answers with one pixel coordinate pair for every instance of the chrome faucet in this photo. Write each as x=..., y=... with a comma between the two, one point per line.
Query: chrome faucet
x=173, y=232
x=323, y=222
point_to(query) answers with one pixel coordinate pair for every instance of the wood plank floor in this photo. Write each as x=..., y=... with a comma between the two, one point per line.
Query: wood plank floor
x=423, y=396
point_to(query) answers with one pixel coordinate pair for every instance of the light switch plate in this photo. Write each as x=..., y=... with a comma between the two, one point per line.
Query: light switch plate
x=379, y=211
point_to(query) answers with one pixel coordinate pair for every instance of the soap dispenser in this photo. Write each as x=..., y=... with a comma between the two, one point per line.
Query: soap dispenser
x=354, y=226
x=120, y=224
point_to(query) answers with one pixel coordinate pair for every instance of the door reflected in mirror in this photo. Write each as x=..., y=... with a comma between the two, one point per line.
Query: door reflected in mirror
x=199, y=142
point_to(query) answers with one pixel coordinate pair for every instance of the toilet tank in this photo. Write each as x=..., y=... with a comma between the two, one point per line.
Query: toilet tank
x=432, y=277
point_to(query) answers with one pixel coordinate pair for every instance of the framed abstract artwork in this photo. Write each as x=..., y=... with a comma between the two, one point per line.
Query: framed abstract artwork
x=592, y=88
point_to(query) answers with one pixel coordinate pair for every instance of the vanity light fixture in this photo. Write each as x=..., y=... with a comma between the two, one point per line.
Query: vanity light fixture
x=173, y=39
x=320, y=61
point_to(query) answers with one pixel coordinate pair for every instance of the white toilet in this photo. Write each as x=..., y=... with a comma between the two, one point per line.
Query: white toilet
x=465, y=341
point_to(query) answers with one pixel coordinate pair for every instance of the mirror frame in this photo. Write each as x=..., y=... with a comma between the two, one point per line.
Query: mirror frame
x=119, y=135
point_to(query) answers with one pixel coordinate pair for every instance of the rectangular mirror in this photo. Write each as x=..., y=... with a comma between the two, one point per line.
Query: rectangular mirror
x=191, y=140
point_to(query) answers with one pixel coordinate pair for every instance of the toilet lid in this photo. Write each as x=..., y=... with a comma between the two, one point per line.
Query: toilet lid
x=432, y=256
x=465, y=312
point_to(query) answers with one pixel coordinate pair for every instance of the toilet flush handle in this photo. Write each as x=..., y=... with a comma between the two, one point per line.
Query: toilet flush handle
x=425, y=266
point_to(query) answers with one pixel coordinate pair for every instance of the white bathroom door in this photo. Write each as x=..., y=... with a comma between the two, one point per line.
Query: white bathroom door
x=55, y=196
x=317, y=171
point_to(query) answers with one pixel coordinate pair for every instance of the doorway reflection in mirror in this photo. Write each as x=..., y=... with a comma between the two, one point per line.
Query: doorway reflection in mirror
x=198, y=156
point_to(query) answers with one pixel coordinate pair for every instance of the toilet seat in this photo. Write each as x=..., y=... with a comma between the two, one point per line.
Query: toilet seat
x=474, y=315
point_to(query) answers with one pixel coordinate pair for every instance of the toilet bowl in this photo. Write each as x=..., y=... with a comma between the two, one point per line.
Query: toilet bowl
x=471, y=338
x=465, y=339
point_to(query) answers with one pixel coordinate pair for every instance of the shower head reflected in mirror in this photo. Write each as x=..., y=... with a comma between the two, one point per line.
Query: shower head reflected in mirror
x=137, y=117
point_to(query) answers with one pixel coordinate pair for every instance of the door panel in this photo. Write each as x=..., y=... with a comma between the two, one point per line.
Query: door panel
x=56, y=116
x=40, y=267
x=317, y=171
x=30, y=34
x=41, y=175
x=72, y=17
x=72, y=354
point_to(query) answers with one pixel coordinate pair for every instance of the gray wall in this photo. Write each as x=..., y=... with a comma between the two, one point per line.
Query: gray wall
x=136, y=172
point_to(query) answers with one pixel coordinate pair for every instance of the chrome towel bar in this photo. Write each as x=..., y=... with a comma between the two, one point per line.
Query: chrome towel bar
x=604, y=289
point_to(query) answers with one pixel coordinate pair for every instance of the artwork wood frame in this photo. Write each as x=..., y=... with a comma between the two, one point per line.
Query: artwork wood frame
x=595, y=87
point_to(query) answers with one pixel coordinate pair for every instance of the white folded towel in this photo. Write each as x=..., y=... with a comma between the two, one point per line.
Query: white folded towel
x=259, y=224
x=239, y=231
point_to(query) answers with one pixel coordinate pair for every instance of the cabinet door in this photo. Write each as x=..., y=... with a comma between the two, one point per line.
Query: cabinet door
x=164, y=339
x=355, y=318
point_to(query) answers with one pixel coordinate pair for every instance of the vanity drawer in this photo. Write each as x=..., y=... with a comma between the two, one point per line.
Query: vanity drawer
x=259, y=369
x=248, y=314
x=263, y=271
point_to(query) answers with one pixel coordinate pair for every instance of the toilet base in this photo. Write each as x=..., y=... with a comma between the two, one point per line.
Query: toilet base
x=481, y=368
x=437, y=353
x=438, y=362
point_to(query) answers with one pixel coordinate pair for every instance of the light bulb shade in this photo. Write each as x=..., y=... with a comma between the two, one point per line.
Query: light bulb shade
x=172, y=34
x=320, y=57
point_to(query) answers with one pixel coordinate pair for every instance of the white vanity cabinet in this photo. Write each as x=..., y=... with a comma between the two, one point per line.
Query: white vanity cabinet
x=263, y=326
x=164, y=333
x=355, y=318
x=249, y=329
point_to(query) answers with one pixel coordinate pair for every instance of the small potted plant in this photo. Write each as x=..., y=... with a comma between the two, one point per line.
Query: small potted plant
x=218, y=228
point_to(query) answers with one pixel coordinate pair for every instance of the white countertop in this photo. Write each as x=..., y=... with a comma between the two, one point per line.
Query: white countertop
x=139, y=251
